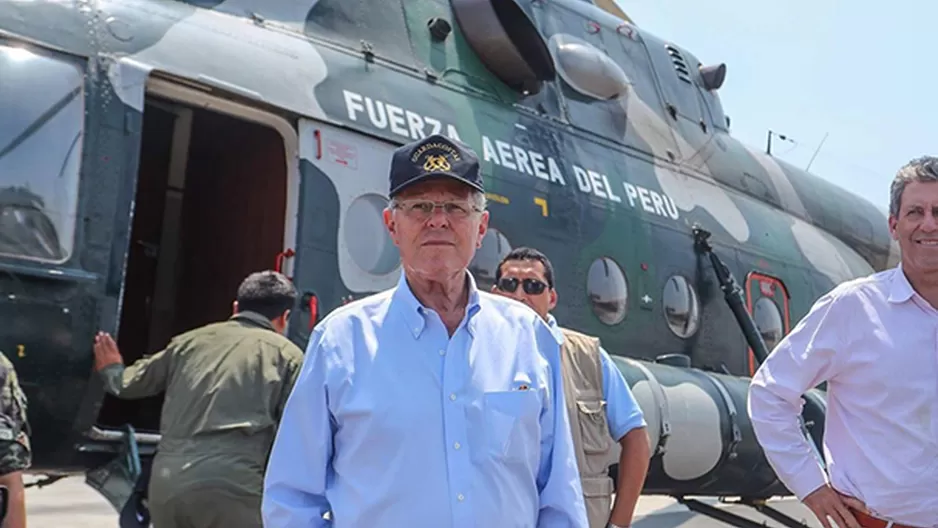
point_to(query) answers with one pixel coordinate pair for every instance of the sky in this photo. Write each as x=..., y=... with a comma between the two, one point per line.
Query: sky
x=860, y=72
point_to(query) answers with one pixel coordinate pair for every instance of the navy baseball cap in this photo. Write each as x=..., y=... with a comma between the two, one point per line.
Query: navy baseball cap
x=434, y=156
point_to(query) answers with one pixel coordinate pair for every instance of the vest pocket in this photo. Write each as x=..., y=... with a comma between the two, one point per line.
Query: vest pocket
x=597, y=486
x=594, y=428
x=597, y=494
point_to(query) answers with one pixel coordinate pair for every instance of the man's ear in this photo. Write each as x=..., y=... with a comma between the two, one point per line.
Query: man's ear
x=388, y=221
x=893, y=224
x=483, y=228
x=234, y=308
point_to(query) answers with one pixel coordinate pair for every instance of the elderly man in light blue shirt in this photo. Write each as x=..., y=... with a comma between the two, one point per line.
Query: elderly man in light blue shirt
x=432, y=404
x=608, y=424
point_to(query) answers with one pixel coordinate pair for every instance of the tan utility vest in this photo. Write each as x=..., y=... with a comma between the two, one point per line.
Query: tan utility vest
x=595, y=449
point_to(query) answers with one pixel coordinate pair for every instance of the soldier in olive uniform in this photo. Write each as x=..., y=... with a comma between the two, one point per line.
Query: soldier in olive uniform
x=226, y=384
x=15, y=451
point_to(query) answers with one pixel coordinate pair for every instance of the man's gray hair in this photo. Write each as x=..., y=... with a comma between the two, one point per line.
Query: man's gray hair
x=477, y=198
x=923, y=169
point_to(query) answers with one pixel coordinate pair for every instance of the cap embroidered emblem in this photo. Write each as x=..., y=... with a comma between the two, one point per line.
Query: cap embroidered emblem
x=436, y=163
x=434, y=157
x=523, y=386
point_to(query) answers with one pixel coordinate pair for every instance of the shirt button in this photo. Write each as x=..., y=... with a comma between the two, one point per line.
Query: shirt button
x=460, y=497
x=456, y=445
x=452, y=397
x=442, y=352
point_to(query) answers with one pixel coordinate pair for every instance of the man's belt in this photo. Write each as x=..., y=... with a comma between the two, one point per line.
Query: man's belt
x=868, y=521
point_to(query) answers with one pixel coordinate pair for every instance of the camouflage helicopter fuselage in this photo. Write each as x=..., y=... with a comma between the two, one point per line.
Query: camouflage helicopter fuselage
x=610, y=174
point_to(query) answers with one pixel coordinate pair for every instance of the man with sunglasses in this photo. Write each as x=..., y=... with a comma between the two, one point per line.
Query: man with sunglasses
x=430, y=404
x=606, y=422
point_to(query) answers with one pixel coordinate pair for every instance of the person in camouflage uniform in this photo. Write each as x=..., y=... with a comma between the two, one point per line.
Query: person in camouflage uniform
x=226, y=385
x=15, y=450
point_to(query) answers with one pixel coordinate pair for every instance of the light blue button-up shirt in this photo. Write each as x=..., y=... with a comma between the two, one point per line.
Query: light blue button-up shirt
x=393, y=423
x=622, y=410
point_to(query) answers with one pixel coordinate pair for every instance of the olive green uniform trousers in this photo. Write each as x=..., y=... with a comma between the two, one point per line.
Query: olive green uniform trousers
x=220, y=487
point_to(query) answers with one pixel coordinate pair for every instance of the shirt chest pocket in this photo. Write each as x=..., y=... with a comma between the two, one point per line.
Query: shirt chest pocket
x=511, y=424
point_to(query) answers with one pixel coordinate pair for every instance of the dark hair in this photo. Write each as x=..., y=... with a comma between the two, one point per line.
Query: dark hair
x=526, y=253
x=266, y=292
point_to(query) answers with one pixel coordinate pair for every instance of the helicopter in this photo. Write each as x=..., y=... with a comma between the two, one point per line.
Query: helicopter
x=155, y=152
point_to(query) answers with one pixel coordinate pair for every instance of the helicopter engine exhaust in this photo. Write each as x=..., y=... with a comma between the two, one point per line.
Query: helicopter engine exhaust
x=701, y=438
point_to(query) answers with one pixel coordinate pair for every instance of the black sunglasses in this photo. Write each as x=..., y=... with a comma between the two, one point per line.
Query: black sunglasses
x=530, y=286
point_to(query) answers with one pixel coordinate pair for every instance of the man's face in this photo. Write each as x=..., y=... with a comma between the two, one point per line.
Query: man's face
x=916, y=227
x=435, y=243
x=536, y=293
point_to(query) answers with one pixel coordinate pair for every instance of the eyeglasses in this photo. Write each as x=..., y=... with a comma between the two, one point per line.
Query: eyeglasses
x=424, y=208
x=530, y=286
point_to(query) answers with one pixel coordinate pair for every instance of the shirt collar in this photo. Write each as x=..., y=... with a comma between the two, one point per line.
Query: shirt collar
x=901, y=289
x=253, y=318
x=415, y=314
x=554, y=328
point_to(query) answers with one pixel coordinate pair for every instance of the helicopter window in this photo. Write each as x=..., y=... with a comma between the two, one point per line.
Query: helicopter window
x=354, y=22
x=494, y=248
x=587, y=69
x=368, y=242
x=40, y=152
x=681, y=306
x=768, y=320
x=608, y=291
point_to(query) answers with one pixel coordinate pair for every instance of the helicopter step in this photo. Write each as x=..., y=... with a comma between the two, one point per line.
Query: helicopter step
x=116, y=479
x=123, y=481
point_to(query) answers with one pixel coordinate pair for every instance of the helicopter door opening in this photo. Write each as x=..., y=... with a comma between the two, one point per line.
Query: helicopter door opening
x=210, y=208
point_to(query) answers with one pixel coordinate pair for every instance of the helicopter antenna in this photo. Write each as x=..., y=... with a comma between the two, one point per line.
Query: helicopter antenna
x=768, y=143
x=816, y=151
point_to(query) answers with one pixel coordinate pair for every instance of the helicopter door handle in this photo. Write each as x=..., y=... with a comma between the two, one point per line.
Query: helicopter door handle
x=282, y=256
x=310, y=303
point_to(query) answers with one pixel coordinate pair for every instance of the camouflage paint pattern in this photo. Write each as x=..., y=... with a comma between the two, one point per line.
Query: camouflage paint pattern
x=15, y=450
x=576, y=177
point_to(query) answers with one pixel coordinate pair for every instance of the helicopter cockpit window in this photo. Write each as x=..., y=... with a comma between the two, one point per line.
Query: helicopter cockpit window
x=681, y=306
x=587, y=69
x=381, y=26
x=608, y=291
x=768, y=320
x=42, y=109
x=494, y=248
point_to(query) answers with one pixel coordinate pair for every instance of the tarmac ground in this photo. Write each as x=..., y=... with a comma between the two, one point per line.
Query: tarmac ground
x=70, y=503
